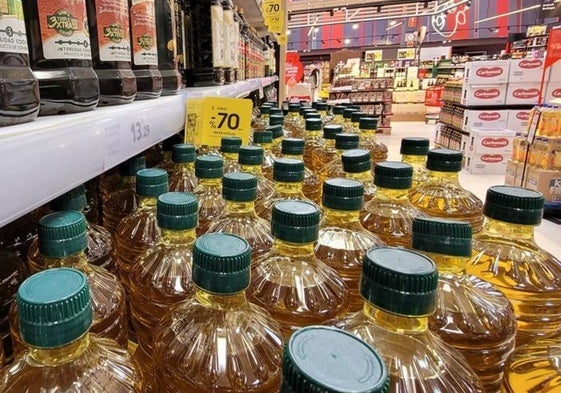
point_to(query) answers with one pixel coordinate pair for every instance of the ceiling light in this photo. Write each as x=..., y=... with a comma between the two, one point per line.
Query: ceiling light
x=316, y=29
x=288, y=32
x=347, y=41
x=355, y=26
x=392, y=22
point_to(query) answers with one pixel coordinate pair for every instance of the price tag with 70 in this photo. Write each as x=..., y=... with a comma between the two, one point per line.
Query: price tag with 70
x=272, y=7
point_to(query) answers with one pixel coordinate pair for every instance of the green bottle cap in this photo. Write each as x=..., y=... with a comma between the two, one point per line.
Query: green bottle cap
x=394, y=175
x=275, y=112
x=355, y=107
x=346, y=141
x=321, y=105
x=293, y=146
x=183, y=153
x=444, y=160
x=295, y=221
x=356, y=116
x=251, y=155
x=348, y=112
x=414, y=146
x=230, y=144
x=276, y=131
x=221, y=263
x=356, y=161
x=262, y=137
x=209, y=167
x=74, y=199
x=54, y=308
x=368, y=123
x=151, y=182
x=272, y=104
x=338, y=110
x=313, y=124
x=276, y=120
x=515, y=205
x=288, y=170
x=331, y=130
x=239, y=187
x=302, y=110
x=132, y=165
x=177, y=211
x=399, y=281
x=442, y=236
x=167, y=144
x=62, y=234
x=343, y=194
x=321, y=359
x=294, y=108
x=312, y=115
x=265, y=109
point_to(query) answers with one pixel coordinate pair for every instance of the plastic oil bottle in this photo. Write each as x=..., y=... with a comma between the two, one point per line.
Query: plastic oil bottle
x=239, y=345
x=326, y=153
x=230, y=147
x=264, y=139
x=389, y=214
x=294, y=148
x=55, y=316
x=325, y=359
x=357, y=165
x=296, y=287
x=400, y=291
x=122, y=177
x=251, y=158
x=62, y=242
x=322, y=108
x=291, y=119
x=414, y=152
x=442, y=195
x=313, y=137
x=471, y=315
x=262, y=121
x=348, y=126
x=298, y=128
x=355, y=120
x=507, y=256
x=338, y=112
x=367, y=131
x=239, y=190
x=343, y=142
x=161, y=278
x=182, y=177
x=343, y=241
x=209, y=170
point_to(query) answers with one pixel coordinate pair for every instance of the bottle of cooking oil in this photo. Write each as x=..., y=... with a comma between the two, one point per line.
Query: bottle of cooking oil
x=139, y=230
x=322, y=108
x=325, y=359
x=55, y=315
x=182, y=177
x=161, y=278
x=338, y=112
x=167, y=152
x=414, y=152
x=348, y=126
x=507, y=256
x=471, y=315
x=367, y=130
x=296, y=287
x=313, y=138
x=390, y=214
x=357, y=165
x=343, y=241
x=251, y=158
x=334, y=168
x=400, y=291
x=121, y=178
x=442, y=195
x=62, y=242
x=239, y=345
x=209, y=170
x=291, y=119
x=355, y=120
x=294, y=148
x=299, y=127
x=264, y=139
x=230, y=147
x=263, y=121
x=325, y=154
x=276, y=126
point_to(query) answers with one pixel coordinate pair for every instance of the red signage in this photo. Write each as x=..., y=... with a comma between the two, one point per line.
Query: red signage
x=553, y=47
x=487, y=94
x=486, y=72
x=489, y=116
x=526, y=93
x=494, y=143
x=294, y=71
x=492, y=158
x=556, y=93
x=523, y=115
x=530, y=63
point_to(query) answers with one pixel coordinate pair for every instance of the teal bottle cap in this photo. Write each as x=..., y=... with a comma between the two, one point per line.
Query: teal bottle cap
x=276, y=120
x=346, y=141
x=295, y=221
x=221, y=263
x=262, y=137
x=151, y=182
x=441, y=236
x=276, y=131
x=321, y=359
x=321, y=105
x=132, y=165
x=348, y=112
x=288, y=170
x=183, y=153
x=265, y=109
x=356, y=116
x=338, y=110
x=239, y=187
x=343, y=194
x=314, y=124
x=275, y=112
x=54, y=308
x=230, y=144
x=209, y=167
x=251, y=155
x=399, y=281
x=444, y=160
x=356, y=161
x=394, y=175
x=368, y=123
x=414, y=146
x=75, y=199
x=293, y=146
x=515, y=205
x=312, y=115
x=272, y=104
x=331, y=130
x=293, y=107
x=303, y=109
x=62, y=234
x=177, y=211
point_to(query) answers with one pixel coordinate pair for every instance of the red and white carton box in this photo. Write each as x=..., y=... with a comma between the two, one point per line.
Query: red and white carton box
x=487, y=163
x=486, y=72
x=484, y=95
x=552, y=91
x=485, y=120
x=526, y=70
x=518, y=120
x=523, y=93
x=491, y=142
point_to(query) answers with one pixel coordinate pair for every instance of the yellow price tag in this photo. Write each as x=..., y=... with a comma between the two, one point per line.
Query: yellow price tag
x=272, y=7
x=282, y=39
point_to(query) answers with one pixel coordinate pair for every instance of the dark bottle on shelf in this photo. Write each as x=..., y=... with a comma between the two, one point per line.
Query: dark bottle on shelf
x=60, y=55
x=108, y=22
x=145, y=49
x=228, y=41
x=167, y=46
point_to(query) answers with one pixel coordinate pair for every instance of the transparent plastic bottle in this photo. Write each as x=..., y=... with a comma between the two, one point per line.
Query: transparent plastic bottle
x=314, y=139
x=167, y=152
x=348, y=126
x=239, y=345
x=264, y=139
x=338, y=112
x=294, y=148
x=414, y=152
x=507, y=256
x=357, y=165
x=250, y=159
x=291, y=119
x=122, y=178
x=290, y=282
x=62, y=242
x=324, y=359
x=367, y=130
x=262, y=121
x=56, y=313
x=161, y=278
x=299, y=127
x=442, y=195
x=334, y=168
x=239, y=190
x=389, y=214
x=400, y=291
x=471, y=314
x=325, y=154
x=343, y=241
x=230, y=147
x=209, y=170
x=139, y=230
x=276, y=126
x=355, y=120
x=322, y=108
x=182, y=176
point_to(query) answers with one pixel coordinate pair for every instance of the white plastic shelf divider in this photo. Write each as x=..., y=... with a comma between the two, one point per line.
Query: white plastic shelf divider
x=43, y=159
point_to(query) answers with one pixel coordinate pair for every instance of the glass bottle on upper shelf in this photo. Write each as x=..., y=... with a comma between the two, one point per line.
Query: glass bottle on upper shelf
x=414, y=151
x=251, y=159
x=334, y=168
x=209, y=170
x=264, y=139
x=230, y=147
x=182, y=176
x=367, y=131
x=325, y=154
x=357, y=165
x=294, y=148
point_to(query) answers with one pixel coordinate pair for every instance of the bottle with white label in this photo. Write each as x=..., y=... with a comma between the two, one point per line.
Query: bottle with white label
x=60, y=55
x=144, y=41
x=108, y=22
x=167, y=46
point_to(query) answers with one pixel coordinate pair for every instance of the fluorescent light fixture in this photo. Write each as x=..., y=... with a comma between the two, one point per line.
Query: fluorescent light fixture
x=355, y=26
x=508, y=13
x=347, y=41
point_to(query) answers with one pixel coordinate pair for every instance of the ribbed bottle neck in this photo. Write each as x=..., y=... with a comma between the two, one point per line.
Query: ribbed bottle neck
x=184, y=237
x=396, y=323
x=53, y=357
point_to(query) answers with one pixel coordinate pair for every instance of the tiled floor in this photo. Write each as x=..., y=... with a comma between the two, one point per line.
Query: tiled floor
x=547, y=234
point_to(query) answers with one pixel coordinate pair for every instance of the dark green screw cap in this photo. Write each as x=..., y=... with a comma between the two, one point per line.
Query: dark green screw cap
x=221, y=263
x=183, y=153
x=151, y=182
x=348, y=113
x=515, y=205
x=346, y=141
x=262, y=137
x=276, y=120
x=74, y=199
x=275, y=112
x=295, y=221
x=132, y=165
x=313, y=124
x=356, y=161
x=293, y=146
x=288, y=170
x=277, y=131
x=303, y=109
x=62, y=234
x=343, y=194
x=442, y=236
x=356, y=116
x=312, y=115
x=230, y=144
x=272, y=104
x=415, y=146
x=209, y=167
x=264, y=109
x=338, y=110
x=177, y=211
x=368, y=123
x=394, y=175
x=294, y=107
x=331, y=130
x=444, y=160
x=239, y=187
x=321, y=106
x=251, y=155
x=399, y=281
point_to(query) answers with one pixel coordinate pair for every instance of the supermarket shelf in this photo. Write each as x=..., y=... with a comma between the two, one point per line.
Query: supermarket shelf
x=43, y=159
